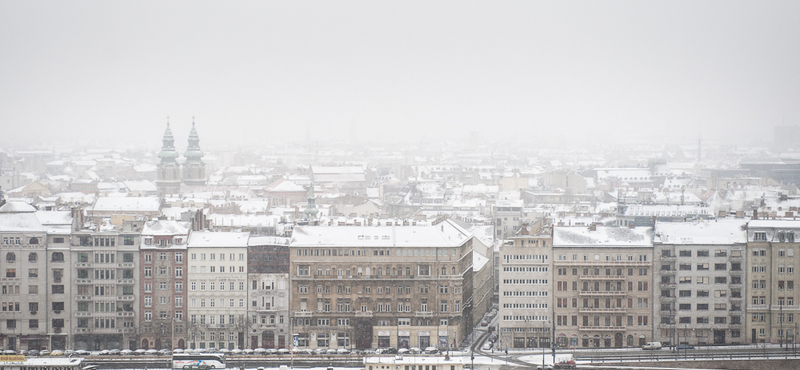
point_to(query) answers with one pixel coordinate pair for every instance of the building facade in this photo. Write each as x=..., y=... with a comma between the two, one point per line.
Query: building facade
x=526, y=290
x=773, y=253
x=268, y=292
x=104, y=284
x=382, y=286
x=163, y=284
x=217, y=290
x=603, y=286
x=700, y=272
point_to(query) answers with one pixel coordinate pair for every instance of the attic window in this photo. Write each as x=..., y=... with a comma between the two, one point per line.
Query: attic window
x=386, y=237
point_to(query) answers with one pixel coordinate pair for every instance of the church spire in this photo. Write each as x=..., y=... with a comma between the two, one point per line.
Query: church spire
x=193, y=152
x=168, y=153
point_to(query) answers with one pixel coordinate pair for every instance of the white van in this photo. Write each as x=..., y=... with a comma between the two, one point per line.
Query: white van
x=652, y=345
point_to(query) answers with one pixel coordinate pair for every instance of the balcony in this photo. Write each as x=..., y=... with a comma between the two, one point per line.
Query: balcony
x=600, y=310
x=667, y=258
x=668, y=272
x=601, y=328
x=603, y=293
x=303, y=313
x=602, y=277
x=736, y=272
x=363, y=313
x=667, y=285
x=423, y=314
x=667, y=299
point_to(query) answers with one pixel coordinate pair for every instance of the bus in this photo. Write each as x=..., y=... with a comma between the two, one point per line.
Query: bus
x=19, y=362
x=200, y=361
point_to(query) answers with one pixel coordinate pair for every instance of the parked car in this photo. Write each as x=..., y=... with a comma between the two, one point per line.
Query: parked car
x=652, y=345
x=33, y=352
x=431, y=350
x=162, y=352
x=44, y=352
x=126, y=352
x=104, y=352
x=685, y=346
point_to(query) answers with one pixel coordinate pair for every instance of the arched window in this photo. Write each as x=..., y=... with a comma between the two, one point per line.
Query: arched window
x=32, y=257
x=454, y=271
x=11, y=257
x=57, y=257
x=34, y=241
x=444, y=270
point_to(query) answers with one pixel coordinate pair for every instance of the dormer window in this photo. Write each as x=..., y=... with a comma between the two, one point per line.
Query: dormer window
x=760, y=236
x=148, y=241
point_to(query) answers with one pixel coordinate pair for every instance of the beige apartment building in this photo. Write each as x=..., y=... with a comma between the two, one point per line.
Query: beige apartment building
x=381, y=286
x=773, y=253
x=603, y=282
x=526, y=290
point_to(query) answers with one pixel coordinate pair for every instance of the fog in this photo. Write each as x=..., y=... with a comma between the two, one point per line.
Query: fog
x=110, y=73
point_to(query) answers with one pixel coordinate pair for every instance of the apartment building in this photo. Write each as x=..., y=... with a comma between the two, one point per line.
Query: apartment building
x=381, y=286
x=699, y=269
x=507, y=217
x=526, y=289
x=268, y=292
x=773, y=253
x=217, y=290
x=25, y=282
x=163, y=284
x=603, y=286
x=104, y=282
x=58, y=227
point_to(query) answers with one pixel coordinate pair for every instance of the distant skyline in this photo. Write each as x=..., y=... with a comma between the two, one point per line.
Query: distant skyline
x=251, y=72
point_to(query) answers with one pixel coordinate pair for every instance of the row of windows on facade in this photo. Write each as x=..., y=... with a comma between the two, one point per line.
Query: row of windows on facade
x=423, y=289
x=16, y=240
x=779, y=318
x=212, y=319
x=735, y=307
x=381, y=307
x=608, y=271
x=702, y=267
x=213, y=256
x=610, y=258
x=422, y=270
x=643, y=286
x=213, y=286
x=610, y=321
x=781, y=269
x=212, y=302
x=701, y=253
x=783, y=236
x=525, y=269
x=401, y=252
x=104, y=241
x=782, y=284
x=735, y=320
x=700, y=280
x=667, y=293
x=12, y=323
x=595, y=303
x=782, y=301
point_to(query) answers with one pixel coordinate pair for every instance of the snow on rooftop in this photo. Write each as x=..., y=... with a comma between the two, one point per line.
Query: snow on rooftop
x=773, y=224
x=721, y=231
x=478, y=261
x=19, y=217
x=268, y=240
x=444, y=234
x=166, y=227
x=218, y=239
x=112, y=204
x=603, y=236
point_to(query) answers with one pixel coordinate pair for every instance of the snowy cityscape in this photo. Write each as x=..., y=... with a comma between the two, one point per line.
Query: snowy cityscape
x=438, y=185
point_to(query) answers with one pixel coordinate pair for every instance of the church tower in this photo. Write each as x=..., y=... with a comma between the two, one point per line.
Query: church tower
x=169, y=174
x=194, y=170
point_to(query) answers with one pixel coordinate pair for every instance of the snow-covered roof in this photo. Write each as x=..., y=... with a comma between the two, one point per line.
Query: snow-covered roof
x=478, y=261
x=444, y=234
x=284, y=185
x=19, y=217
x=602, y=236
x=218, y=239
x=140, y=185
x=17, y=207
x=135, y=204
x=268, y=240
x=721, y=231
x=166, y=227
x=773, y=224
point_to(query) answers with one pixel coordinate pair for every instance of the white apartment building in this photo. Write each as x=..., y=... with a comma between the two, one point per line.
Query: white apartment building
x=217, y=290
x=526, y=289
x=699, y=268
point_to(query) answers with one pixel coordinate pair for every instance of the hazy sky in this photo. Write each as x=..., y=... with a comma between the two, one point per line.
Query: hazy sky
x=112, y=71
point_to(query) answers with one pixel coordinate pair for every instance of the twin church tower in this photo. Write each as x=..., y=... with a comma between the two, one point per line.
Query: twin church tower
x=171, y=174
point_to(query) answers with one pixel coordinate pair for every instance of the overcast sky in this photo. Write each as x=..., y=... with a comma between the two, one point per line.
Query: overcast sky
x=112, y=71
